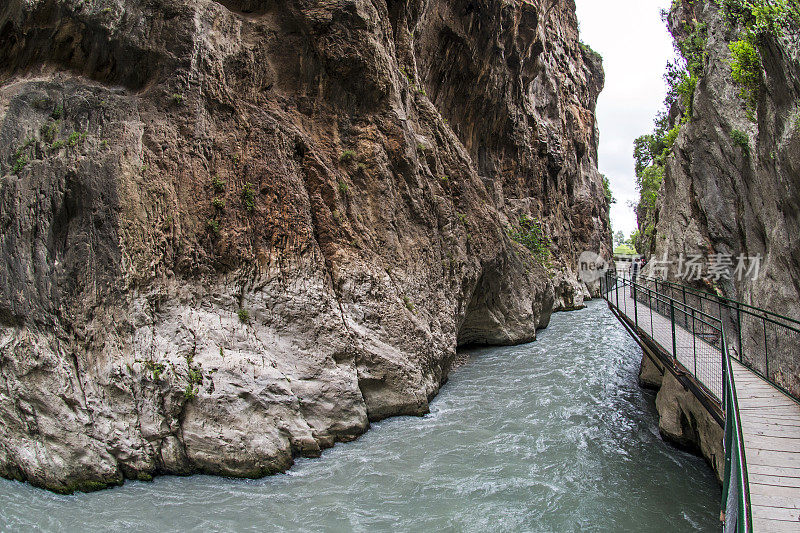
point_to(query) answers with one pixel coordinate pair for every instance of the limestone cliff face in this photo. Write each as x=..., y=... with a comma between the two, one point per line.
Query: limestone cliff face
x=235, y=232
x=720, y=197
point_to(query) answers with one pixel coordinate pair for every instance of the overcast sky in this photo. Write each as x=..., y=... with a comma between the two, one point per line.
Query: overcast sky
x=636, y=47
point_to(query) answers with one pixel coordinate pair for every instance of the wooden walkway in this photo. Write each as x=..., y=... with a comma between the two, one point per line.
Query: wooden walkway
x=770, y=420
x=771, y=429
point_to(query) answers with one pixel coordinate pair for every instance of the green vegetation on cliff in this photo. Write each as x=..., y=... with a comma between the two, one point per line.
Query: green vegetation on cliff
x=529, y=233
x=756, y=21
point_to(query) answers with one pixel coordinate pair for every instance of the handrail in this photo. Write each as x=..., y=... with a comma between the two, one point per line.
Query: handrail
x=676, y=302
x=715, y=298
x=748, y=329
x=736, y=489
x=735, y=486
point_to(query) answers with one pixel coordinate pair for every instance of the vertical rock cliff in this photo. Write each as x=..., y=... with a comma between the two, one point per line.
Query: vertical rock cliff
x=732, y=183
x=236, y=232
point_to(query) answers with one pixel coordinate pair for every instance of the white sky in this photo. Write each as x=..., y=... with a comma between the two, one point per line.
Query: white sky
x=636, y=47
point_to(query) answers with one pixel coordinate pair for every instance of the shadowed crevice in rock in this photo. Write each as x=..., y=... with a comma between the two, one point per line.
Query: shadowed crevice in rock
x=53, y=36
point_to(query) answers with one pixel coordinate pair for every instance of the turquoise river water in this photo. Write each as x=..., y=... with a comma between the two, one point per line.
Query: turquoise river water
x=551, y=436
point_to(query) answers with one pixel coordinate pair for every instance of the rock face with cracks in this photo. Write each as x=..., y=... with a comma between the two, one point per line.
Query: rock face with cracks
x=236, y=232
x=732, y=185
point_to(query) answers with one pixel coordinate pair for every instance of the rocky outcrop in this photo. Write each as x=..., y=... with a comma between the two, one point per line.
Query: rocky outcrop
x=236, y=232
x=651, y=373
x=684, y=421
x=732, y=185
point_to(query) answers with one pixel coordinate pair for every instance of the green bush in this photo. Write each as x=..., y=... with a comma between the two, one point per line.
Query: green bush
x=75, y=138
x=155, y=369
x=624, y=249
x=213, y=225
x=683, y=75
x=249, y=197
x=762, y=17
x=217, y=184
x=347, y=156
x=20, y=162
x=343, y=187
x=49, y=131
x=588, y=50
x=669, y=140
x=529, y=233
x=244, y=316
x=746, y=68
x=195, y=376
x=648, y=183
x=607, y=190
x=218, y=203
x=742, y=140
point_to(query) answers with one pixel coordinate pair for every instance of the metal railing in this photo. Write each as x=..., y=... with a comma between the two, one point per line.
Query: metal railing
x=691, y=337
x=757, y=337
x=735, y=486
x=695, y=340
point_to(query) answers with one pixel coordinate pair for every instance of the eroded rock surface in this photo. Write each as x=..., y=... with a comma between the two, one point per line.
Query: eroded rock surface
x=683, y=420
x=236, y=232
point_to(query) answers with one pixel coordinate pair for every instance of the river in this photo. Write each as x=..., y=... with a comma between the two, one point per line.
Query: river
x=550, y=436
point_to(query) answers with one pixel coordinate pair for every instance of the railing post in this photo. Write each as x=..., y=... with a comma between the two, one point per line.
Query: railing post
x=672, y=320
x=635, y=307
x=724, y=386
x=739, y=324
x=766, y=350
x=694, y=344
x=625, y=301
x=683, y=289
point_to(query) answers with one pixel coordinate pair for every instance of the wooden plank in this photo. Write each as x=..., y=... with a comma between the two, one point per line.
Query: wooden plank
x=782, y=423
x=756, y=421
x=785, y=434
x=772, y=469
x=779, y=481
x=762, y=415
x=762, y=442
x=747, y=398
x=767, y=406
x=770, y=403
x=775, y=513
x=768, y=525
x=770, y=500
x=769, y=458
x=760, y=490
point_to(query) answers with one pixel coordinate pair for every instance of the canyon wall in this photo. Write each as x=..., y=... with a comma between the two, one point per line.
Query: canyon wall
x=236, y=232
x=732, y=183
